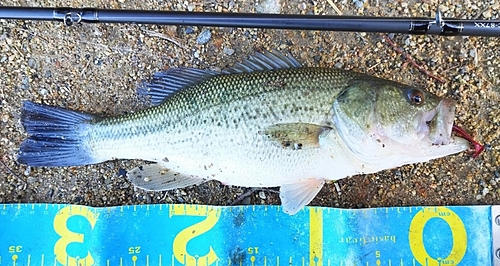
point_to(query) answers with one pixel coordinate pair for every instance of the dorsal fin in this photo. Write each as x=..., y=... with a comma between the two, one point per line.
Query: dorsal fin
x=263, y=61
x=166, y=83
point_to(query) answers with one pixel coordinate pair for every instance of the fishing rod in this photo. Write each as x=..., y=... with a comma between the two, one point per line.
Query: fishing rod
x=413, y=25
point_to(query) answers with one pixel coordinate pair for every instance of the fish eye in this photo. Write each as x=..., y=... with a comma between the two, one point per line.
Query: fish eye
x=416, y=96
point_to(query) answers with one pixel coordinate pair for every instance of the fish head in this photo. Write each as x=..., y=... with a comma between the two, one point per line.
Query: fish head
x=392, y=121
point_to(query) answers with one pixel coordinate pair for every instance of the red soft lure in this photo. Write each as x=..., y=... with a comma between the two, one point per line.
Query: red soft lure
x=462, y=133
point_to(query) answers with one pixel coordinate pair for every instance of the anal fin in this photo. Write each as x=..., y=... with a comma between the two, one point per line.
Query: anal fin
x=156, y=177
x=297, y=195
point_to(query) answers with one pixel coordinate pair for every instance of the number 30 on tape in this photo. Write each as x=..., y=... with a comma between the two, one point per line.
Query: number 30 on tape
x=68, y=237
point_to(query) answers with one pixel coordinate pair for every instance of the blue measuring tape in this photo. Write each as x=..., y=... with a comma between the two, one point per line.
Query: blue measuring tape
x=52, y=234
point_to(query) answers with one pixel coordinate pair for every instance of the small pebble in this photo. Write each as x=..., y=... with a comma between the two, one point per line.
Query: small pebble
x=269, y=7
x=359, y=3
x=25, y=85
x=32, y=62
x=228, y=51
x=98, y=62
x=472, y=53
x=487, y=14
x=189, y=30
x=204, y=37
x=337, y=188
x=122, y=172
x=262, y=195
x=443, y=8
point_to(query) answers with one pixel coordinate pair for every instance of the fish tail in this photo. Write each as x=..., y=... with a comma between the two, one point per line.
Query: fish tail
x=58, y=137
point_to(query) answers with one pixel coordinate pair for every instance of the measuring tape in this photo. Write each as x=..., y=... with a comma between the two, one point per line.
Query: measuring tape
x=53, y=234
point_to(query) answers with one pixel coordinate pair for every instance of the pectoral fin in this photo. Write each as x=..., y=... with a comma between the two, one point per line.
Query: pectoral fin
x=156, y=177
x=295, y=136
x=297, y=195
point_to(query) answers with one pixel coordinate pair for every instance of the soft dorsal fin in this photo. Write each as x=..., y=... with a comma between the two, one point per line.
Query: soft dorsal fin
x=294, y=136
x=165, y=83
x=263, y=61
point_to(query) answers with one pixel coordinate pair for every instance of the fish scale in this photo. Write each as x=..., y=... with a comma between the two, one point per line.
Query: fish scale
x=203, y=134
x=213, y=106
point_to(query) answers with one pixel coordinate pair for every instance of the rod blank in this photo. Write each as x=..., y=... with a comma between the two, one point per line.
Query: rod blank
x=415, y=25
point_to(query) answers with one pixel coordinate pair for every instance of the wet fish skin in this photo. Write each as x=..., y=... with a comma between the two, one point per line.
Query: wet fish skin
x=267, y=123
x=213, y=111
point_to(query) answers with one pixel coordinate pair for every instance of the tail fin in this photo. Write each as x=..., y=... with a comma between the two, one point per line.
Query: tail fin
x=57, y=136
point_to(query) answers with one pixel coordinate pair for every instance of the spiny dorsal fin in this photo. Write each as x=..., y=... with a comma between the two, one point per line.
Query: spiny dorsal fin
x=168, y=82
x=263, y=61
x=295, y=136
x=156, y=177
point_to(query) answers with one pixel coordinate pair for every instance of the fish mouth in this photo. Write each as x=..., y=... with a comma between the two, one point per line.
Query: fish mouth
x=437, y=124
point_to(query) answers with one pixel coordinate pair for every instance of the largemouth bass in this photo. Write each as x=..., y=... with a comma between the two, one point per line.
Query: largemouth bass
x=266, y=122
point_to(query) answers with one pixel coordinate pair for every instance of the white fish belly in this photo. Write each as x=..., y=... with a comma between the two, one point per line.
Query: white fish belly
x=233, y=157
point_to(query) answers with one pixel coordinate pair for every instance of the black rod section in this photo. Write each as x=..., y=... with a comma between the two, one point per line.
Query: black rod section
x=414, y=25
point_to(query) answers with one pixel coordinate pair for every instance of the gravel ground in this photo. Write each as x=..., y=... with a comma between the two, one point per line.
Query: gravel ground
x=95, y=68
